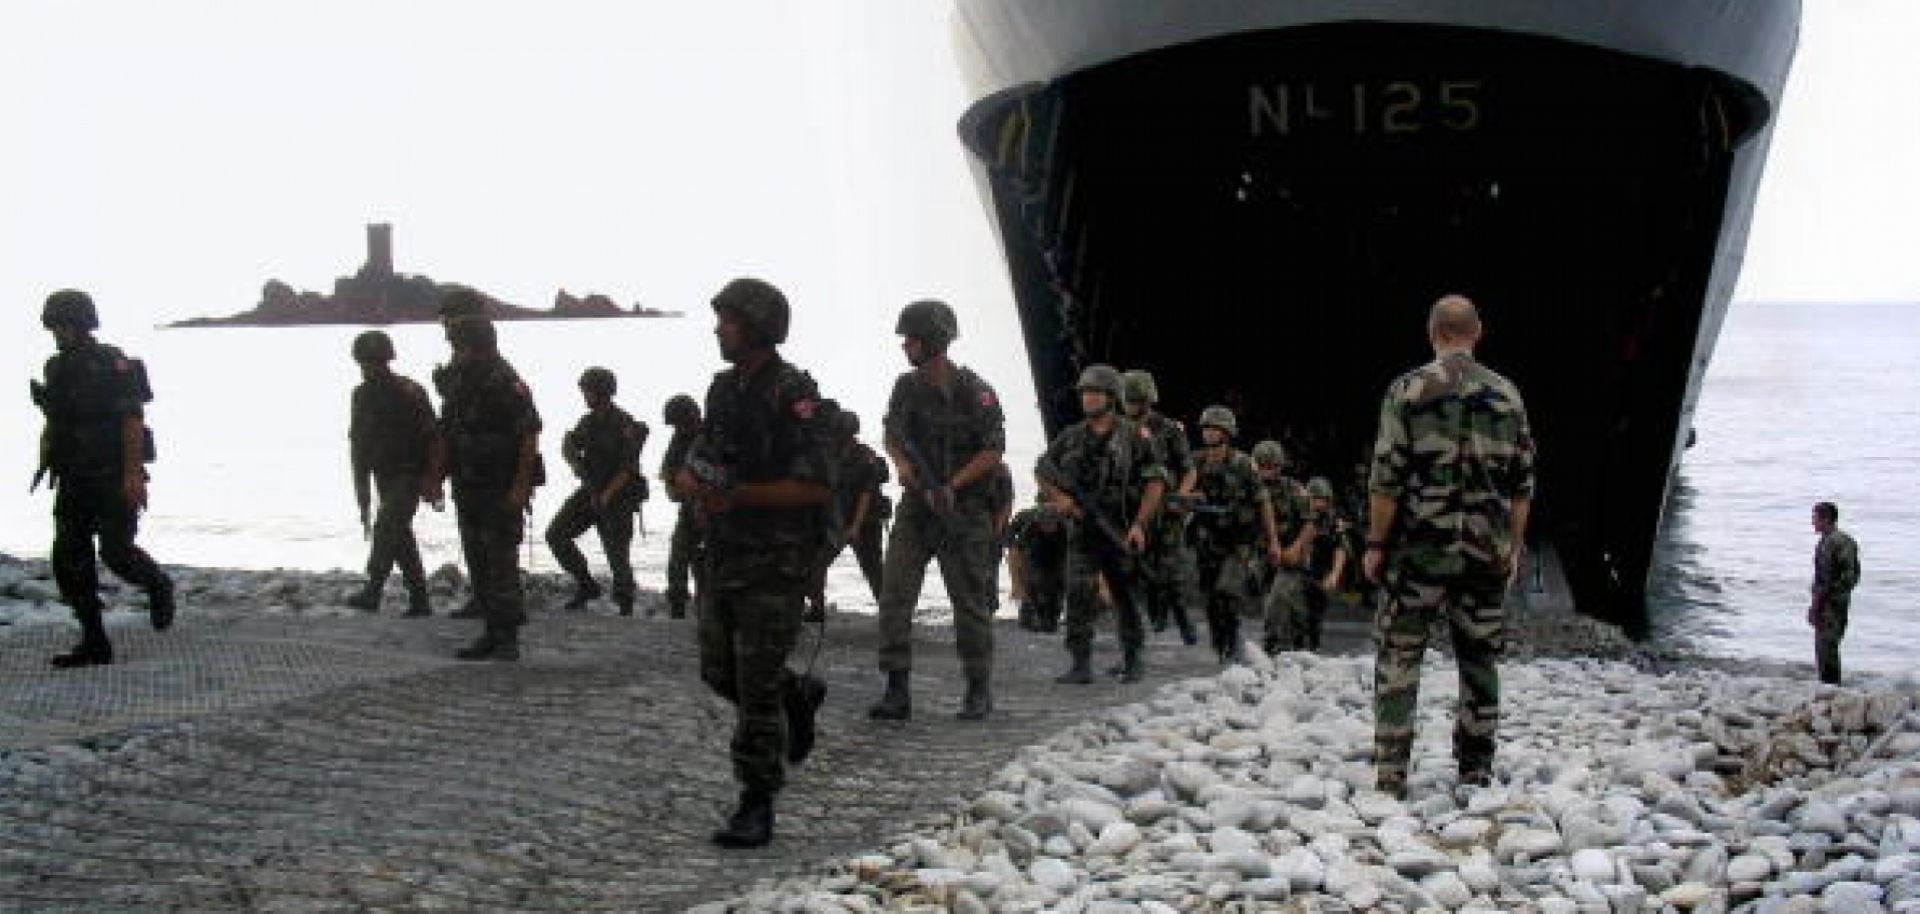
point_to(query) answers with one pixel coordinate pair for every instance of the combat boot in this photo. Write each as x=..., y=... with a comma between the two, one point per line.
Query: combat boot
x=676, y=609
x=506, y=645
x=481, y=649
x=468, y=610
x=584, y=592
x=979, y=700
x=418, y=604
x=625, y=602
x=160, y=605
x=803, y=700
x=86, y=653
x=751, y=824
x=1133, y=668
x=896, y=703
x=1080, y=674
x=366, y=599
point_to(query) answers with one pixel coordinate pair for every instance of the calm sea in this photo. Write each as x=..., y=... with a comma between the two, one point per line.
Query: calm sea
x=1803, y=403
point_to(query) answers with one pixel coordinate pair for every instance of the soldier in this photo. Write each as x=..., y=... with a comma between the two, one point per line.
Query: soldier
x=1286, y=586
x=1448, y=504
x=95, y=447
x=1236, y=518
x=864, y=508
x=1323, y=561
x=492, y=434
x=395, y=445
x=1102, y=472
x=456, y=302
x=1037, y=562
x=1836, y=568
x=1169, y=583
x=1000, y=507
x=945, y=433
x=761, y=470
x=681, y=414
x=604, y=452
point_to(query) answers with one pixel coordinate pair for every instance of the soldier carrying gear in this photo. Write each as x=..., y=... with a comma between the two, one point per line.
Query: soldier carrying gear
x=96, y=445
x=864, y=508
x=1168, y=573
x=1227, y=537
x=1323, y=561
x=682, y=415
x=603, y=450
x=395, y=447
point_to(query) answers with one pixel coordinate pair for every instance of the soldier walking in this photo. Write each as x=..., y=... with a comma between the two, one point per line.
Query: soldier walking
x=1323, y=558
x=945, y=433
x=1236, y=519
x=1102, y=472
x=1169, y=584
x=761, y=471
x=864, y=508
x=682, y=415
x=1287, y=600
x=395, y=445
x=1448, y=503
x=603, y=450
x=1000, y=512
x=95, y=448
x=1037, y=563
x=1836, y=569
x=492, y=434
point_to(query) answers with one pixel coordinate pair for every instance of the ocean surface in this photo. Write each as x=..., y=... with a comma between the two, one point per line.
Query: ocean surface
x=1803, y=402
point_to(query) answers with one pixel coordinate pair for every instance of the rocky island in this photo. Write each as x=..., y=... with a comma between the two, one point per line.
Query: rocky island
x=375, y=294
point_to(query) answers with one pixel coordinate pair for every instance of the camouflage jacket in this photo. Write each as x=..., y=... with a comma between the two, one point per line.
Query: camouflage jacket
x=1111, y=470
x=1836, y=566
x=1291, y=508
x=488, y=411
x=862, y=470
x=603, y=443
x=676, y=457
x=946, y=427
x=392, y=427
x=1039, y=532
x=1454, y=451
x=91, y=390
x=1176, y=453
x=764, y=426
x=1232, y=486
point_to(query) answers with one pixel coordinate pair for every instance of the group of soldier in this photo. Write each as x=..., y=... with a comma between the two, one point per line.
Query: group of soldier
x=772, y=483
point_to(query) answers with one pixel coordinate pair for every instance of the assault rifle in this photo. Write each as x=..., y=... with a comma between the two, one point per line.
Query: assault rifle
x=38, y=391
x=923, y=471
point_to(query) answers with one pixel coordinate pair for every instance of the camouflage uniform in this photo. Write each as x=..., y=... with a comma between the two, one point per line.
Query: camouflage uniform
x=1169, y=583
x=864, y=470
x=487, y=413
x=1454, y=451
x=1225, y=540
x=391, y=436
x=760, y=426
x=945, y=428
x=1836, y=569
x=1286, y=588
x=603, y=443
x=683, y=553
x=1113, y=470
x=999, y=512
x=1324, y=542
x=1040, y=535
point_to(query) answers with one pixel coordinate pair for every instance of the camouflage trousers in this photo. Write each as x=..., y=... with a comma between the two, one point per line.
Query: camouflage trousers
x=85, y=507
x=1472, y=606
x=1225, y=575
x=615, y=527
x=1088, y=564
x=490, y=532
x=1168, y=587
x=1829, y=626
x=746, y=634
x=960, y=543
x=1046, y=586
x=683, y=553
x=393, y=540
x=1295, y=611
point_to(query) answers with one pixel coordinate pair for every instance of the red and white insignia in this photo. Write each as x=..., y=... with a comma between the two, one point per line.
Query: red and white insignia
x=986, y=398
x=804, y=408
x=120, y=366
x=521, y=386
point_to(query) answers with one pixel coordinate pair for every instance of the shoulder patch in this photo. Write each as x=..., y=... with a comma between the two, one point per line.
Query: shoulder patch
x=120, y=365
x=986, y=397
x=805, y=407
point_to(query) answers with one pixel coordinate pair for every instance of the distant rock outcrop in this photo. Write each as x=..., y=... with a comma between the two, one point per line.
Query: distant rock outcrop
x=375, y=294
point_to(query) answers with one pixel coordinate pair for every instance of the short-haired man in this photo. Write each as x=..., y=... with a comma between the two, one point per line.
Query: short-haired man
x=1836, y=568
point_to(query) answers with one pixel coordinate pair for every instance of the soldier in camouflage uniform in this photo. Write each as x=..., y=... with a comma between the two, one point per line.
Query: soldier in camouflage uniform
x=1285, y=585
x=864, y=508
x=1233, y=525
x=1449, y=499
x=682, y=415
x=456, y=302
x=1836, y=569
x=95, y=447
x=1037, y=542
x=1323, y=564
x=762, y=472
x=945, y=432
x=1168, y=584
x=604, y=452
x=492, y=435
x=395, y=444
x=1103, y=472
x=1000, y=508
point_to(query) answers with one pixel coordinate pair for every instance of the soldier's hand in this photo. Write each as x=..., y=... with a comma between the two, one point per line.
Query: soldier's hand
x=134, y=487
x=1515, y=561
x=1136, y=538
x=1276, y=555
x=1374, y=564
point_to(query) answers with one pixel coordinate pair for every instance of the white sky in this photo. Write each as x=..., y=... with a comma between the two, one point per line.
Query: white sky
x=173, y=156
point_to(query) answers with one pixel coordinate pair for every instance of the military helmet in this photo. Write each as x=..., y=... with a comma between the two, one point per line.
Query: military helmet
x=599, y=381
x=929, y=319
x=1100, y=377
x=373, y=346
x=758, y=305
x=461, y=301
x=846, y=423
x=72, y=308
x=1269, y=452
x=1137, y=387
x=681, y=410
x=1219, y=417
x=470, y=330
x=1319, y=487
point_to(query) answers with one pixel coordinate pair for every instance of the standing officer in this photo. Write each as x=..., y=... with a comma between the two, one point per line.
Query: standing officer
x=1169, y=583
x=604, y=452
x=1237, y=518
x=1836, y=568
x=1102, y=472
x=945, y=433
x=1448, y=503
x=492, y=434
x=95, y=447
x=762, y=472
x=682, y=414
x=395, y=444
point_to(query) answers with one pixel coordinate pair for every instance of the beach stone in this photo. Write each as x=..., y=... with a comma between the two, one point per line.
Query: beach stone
x=1302, y=869
x=1232, y=840
x=1051, y=873
x=1267, y=889
x=1464, y=831
x=1479, y=873
x=1749, y=868
x=1526, y=842
x=1448, y=889
x=1115, y=840
x=1093, y=814
x=1593, y=865
x=1819, y=816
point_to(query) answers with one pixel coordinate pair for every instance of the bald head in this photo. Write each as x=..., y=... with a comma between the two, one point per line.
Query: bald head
x=1453, y=323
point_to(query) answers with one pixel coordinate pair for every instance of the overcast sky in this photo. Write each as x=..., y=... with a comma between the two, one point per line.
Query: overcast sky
x=173, y=156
